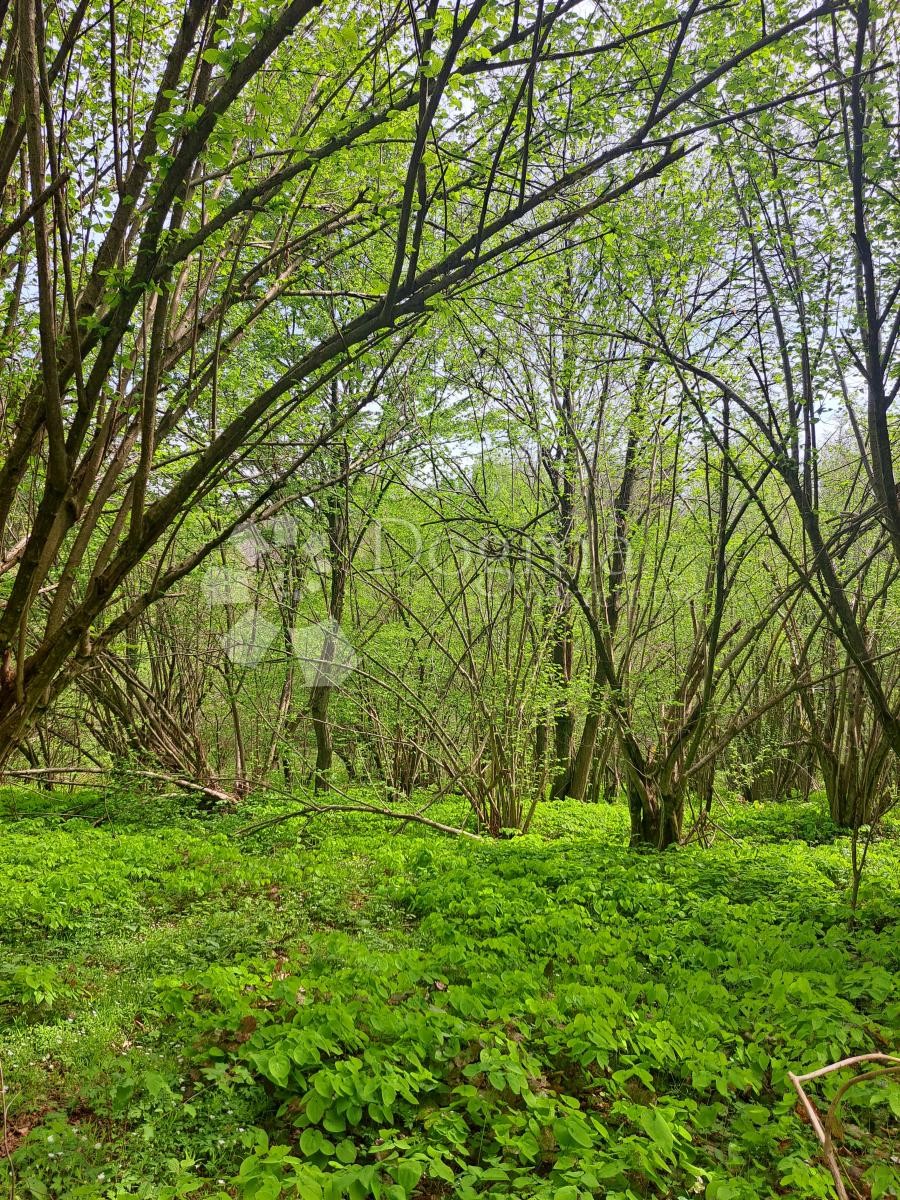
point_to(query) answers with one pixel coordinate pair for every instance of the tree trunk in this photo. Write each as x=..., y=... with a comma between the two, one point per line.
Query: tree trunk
x=848, y=805
x=318, y=705
x=563, y=719
x=576, y=784
x=655, y=820
x=541, y=741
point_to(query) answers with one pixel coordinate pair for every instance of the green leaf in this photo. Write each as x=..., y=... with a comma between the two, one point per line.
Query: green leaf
x=345, y=1151
x=658, y=1128
x=278, y=1067
x=311, y=1141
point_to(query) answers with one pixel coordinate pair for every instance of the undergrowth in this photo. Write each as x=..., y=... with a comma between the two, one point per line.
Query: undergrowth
x=336, y=1008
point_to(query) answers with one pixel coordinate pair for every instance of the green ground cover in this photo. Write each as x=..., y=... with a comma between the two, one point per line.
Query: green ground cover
x=341, y=1009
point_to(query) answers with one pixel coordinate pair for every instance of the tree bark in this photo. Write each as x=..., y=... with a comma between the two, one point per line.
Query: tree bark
x=655, y=820
x=318, y=706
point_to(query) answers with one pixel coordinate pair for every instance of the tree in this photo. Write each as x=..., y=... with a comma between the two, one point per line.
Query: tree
x=174, y=183
x=802, y=321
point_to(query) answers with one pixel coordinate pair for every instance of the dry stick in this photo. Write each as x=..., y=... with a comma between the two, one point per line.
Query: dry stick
x=188, y=785
x=822, y=1132
x=313, y=809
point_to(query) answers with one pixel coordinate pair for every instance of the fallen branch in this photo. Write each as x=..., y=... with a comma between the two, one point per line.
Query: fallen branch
x=220, y=797
x=312, y=809
x=187, y=785
x=823, y=1130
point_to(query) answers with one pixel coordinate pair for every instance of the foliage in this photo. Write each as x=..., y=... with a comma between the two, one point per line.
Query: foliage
x=354, y=1012
x=463, y=414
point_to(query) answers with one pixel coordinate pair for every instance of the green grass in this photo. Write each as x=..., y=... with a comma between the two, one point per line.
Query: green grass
x=339, y=1009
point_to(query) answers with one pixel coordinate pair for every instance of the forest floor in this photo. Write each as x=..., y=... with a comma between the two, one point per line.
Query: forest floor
x=340, y=1008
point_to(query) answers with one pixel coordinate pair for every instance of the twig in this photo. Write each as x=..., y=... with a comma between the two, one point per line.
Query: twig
x=721, y=829
x=823, y=1132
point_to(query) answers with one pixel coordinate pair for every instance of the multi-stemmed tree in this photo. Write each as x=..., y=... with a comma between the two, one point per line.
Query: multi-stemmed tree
x=176, y=182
